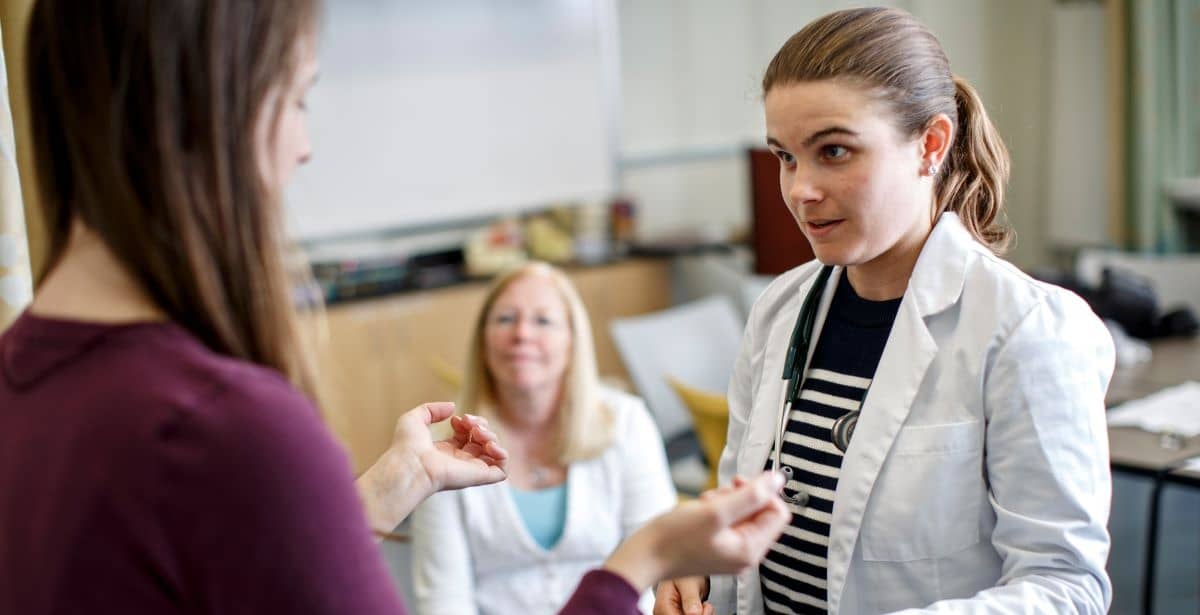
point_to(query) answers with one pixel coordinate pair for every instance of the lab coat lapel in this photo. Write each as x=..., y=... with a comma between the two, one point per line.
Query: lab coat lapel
x=765, y=421
x=936, y=284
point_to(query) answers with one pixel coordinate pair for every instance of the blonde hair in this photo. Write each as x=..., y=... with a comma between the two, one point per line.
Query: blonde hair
x=892, y=54
x=584, y=424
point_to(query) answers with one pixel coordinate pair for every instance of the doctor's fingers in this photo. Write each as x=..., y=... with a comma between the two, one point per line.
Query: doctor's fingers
x=689, y=589
x=679, y=597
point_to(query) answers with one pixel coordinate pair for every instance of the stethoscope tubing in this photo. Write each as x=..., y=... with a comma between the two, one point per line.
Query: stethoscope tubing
x=794, y=372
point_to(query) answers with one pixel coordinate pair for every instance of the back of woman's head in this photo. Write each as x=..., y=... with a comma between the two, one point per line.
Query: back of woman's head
x=892, y=55
x=146, y=116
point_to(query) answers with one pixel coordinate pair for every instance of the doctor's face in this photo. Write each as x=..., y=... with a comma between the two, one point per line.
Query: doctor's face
x=851, y=180
x=527, y=336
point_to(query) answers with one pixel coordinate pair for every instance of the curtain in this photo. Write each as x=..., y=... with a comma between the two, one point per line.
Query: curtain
x=16, y=282
x=1162, y=130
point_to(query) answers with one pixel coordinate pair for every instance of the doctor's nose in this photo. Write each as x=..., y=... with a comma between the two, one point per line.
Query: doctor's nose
x=802, y=190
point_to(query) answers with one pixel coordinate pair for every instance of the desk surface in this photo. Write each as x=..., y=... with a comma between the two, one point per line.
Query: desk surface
x=1174, y=361
x=1134, y=450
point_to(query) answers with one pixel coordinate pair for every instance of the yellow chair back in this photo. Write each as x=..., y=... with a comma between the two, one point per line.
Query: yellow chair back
x=710, y=415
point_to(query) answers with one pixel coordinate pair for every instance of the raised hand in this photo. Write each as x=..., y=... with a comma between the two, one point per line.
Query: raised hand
x=470, y=456
x=416, y=466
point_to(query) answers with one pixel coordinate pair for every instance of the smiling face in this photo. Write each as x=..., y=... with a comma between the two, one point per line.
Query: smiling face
x=527, y=337
x=858, y=188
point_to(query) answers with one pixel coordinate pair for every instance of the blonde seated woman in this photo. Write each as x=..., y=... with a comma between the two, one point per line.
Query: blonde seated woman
x=586, y=463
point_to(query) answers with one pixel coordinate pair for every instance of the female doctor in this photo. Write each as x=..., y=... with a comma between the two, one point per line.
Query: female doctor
x=939, y=414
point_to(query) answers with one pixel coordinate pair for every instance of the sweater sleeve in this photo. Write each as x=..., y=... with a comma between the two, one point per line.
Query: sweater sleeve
x=601, y=592
x=261, y=501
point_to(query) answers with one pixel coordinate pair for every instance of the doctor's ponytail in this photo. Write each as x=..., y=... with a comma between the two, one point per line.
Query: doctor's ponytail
x=898, y=60
x=975, y=172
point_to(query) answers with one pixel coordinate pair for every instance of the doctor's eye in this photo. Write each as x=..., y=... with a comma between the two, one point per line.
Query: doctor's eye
x=834, y=153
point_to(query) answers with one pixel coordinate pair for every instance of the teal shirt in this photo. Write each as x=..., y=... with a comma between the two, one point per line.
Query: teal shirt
x=544, y=512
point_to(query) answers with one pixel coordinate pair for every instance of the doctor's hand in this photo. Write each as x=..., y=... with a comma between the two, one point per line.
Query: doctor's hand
x=682, y=597
x=725, y=533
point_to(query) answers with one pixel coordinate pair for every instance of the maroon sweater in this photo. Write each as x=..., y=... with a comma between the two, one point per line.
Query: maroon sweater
x=142, y=473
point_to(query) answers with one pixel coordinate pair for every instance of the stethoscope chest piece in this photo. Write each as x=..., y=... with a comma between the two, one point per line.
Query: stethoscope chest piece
x=800, y=498
x=843, y=430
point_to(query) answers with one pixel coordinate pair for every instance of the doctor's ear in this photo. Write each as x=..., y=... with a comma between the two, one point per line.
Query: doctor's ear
x=935, y=142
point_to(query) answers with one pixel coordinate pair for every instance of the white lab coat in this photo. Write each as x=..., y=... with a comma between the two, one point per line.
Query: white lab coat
x=977, y=480
x=472, y=554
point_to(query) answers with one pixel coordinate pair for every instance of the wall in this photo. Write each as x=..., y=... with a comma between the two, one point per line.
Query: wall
x=690, y=87
x=430, y=112
x=689, y=91
x=13, y=16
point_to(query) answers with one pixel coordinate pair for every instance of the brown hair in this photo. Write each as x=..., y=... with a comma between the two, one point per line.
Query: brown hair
x=585, y=425
x=144, y=114
x=890, y=53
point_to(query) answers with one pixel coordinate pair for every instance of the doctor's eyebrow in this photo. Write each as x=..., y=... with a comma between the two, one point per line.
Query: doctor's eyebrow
x=816, y=136
x=825, y=132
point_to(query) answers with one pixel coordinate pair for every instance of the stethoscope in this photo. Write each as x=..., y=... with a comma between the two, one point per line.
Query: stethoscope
x=793, y=373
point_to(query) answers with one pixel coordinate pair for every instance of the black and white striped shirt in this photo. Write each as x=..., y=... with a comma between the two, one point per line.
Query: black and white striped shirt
x=842, y=366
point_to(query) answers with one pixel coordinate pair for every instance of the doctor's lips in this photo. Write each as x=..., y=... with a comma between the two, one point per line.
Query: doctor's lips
x=820, y=227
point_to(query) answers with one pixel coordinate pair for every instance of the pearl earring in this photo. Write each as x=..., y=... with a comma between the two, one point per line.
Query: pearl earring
x=933, y=169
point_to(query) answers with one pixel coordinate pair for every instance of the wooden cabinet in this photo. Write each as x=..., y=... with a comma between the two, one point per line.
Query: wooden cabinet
x=778, y=242
x=378, y=359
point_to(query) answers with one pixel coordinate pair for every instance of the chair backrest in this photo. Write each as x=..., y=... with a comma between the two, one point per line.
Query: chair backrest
x=696, y=343
x=1175, y=278
x=752, y=287
x=710, y=413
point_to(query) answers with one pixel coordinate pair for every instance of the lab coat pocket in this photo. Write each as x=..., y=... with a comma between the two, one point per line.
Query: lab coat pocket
x=926, y=500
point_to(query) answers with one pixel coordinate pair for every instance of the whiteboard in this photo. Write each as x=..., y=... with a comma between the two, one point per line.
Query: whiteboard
x=432, y=111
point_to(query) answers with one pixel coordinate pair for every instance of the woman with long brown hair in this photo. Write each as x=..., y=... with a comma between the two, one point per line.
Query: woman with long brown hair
x=160, y=448
x=939, y=414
